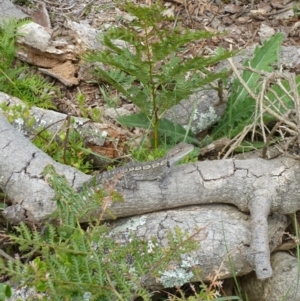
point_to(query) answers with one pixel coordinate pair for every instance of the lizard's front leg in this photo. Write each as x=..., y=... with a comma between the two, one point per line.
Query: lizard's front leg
x=163, y=178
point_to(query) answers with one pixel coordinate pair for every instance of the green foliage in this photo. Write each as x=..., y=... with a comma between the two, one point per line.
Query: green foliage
x=70, y=263
x=151, y=70
x=241, y=106
x=66, y=146
x=296, y=10
x=203, y=293
x=2, y=205
x=144, y=154
x=5, y=291
x=18, y=112
x=17, y=80
x=95, y=114
x=23, y=3
x=174, y=131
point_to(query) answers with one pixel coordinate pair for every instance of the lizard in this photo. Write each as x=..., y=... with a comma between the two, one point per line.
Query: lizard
x=159, y=169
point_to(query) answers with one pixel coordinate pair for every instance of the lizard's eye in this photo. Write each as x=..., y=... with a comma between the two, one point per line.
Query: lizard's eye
x=168, y=164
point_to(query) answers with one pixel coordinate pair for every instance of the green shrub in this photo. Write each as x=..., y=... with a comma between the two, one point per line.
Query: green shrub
x=151, y=70
x=260, y=97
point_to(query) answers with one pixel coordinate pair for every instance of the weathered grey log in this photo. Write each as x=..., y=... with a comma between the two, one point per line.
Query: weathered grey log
x=92, y=133
x=225, y=234
x=21, y=165
x=257, y=186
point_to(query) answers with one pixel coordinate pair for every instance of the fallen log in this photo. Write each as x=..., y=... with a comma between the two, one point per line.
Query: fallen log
x=222, y=232
x=256, y=186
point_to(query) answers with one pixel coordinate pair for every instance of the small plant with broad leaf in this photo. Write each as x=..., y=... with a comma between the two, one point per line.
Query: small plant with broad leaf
x=95, y=113
x=260, y=96
x=241, y=106
x=5, y=291
x=150, y=69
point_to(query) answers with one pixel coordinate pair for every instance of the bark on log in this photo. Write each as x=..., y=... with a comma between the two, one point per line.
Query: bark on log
x=21, y=165
x=93, y=133
x=225, y=234
x=257, y=186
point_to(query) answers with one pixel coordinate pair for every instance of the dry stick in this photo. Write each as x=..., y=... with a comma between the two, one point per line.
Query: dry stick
x=293, y=86
x=5, y=255
x=57, y=8
x=264, y=151
x=263, y=95
x=283, y=87
x=287, y=93
x=255, y=117
x=188, y=12
x=66, y=138
x=278, y=99
x=292, y=125
x=54, y=135
x=176, y=19
x=269, y=78
x=80, y=13
x=294, y=96
x=279, y=11
x=47, y=127
x=215, y=14
x=238, y=139
x=291, y=131
x=263, y=108
x=273, y=76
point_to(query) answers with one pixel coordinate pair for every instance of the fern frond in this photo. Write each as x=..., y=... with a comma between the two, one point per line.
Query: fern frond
x=151, y=60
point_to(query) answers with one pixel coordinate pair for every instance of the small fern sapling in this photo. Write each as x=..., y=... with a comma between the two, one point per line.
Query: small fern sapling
x=150, y=69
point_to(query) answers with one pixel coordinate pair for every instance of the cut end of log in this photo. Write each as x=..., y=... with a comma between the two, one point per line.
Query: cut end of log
x=262, y=265
x=264, y=273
